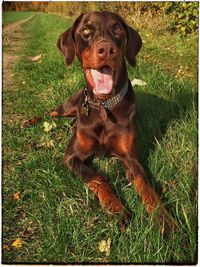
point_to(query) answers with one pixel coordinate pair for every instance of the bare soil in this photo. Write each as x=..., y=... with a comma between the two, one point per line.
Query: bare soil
x=13, y=39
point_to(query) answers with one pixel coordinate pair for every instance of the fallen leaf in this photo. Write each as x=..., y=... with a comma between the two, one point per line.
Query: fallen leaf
x=107, y=249
x=29, y=147
x=36, y=58
x=104, y=246
x=22, y=215
x=27, y=232
x=48, y=126
x=6, y=247
x=17, y=196
x=18, y=243
x=48, y=144
x=138, y=82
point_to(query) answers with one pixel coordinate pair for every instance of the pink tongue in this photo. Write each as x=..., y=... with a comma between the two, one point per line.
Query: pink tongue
x=103, y=80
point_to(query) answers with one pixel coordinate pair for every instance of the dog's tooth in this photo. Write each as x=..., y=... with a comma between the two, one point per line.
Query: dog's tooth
x=93, y=72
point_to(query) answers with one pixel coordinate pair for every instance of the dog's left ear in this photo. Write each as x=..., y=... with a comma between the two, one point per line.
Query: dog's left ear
x=66, y=42
x=134, y=44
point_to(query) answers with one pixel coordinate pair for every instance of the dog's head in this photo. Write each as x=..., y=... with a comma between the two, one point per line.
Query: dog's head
x=101, y=41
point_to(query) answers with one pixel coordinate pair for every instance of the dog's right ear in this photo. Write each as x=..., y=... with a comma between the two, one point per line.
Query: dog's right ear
x=66, y=45
x=66, y=42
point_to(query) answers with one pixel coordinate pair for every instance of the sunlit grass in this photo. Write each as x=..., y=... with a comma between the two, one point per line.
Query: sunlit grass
x=59, y=220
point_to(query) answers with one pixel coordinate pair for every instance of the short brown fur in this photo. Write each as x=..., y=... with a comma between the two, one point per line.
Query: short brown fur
x=108, y=131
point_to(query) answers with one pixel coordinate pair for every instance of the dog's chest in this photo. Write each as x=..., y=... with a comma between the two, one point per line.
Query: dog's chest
x=101, y=129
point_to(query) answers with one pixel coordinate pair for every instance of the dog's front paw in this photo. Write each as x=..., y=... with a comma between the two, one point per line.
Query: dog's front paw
x=167, y=223
x=123, y=219
x=31, y=122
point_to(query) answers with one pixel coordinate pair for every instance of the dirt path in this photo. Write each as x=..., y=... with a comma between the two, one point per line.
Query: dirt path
x=12, y=26
x=13, y=40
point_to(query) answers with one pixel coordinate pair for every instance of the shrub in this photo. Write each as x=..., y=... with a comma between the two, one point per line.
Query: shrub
x=184, y=16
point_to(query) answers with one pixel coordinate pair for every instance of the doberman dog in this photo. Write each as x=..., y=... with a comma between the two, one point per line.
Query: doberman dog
x=105, y=108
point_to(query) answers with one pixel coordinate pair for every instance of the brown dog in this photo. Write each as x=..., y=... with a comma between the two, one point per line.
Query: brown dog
x=105, y=108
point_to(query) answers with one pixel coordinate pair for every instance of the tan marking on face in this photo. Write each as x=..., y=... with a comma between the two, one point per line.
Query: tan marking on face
x=89, y=58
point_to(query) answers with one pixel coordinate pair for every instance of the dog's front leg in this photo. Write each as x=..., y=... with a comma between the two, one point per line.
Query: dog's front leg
x=66, y=109
x=150, y=198
x=79, y=149
x=124, y=148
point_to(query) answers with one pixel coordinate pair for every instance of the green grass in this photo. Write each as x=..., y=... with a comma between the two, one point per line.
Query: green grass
x=172, y=53
x=58, y=219
x=13, y=16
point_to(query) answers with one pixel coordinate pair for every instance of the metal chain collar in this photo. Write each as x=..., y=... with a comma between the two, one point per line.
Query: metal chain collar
x=108, y=103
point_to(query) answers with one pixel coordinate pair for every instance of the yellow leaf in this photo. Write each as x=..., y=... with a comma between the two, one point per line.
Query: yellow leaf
x=36, y=58
x=18, y=243
x=47, y=127
x=47, y=144
x=104, y=246
x=183, y=28
x=107, y=249
x=17, y=196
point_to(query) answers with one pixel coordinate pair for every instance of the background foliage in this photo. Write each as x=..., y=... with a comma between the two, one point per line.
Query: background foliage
x=182, y=16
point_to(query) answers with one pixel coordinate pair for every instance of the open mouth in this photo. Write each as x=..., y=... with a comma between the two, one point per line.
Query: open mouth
x=101, y=80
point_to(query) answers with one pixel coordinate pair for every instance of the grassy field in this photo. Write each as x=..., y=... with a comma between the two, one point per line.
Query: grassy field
x=48, y=213
x=13, y=16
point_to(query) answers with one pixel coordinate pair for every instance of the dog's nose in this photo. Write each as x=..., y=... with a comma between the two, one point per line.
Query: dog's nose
x=105, y=50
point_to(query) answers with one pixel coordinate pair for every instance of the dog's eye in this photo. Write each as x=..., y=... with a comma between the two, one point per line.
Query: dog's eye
x=116, y=29
x=87, y=31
